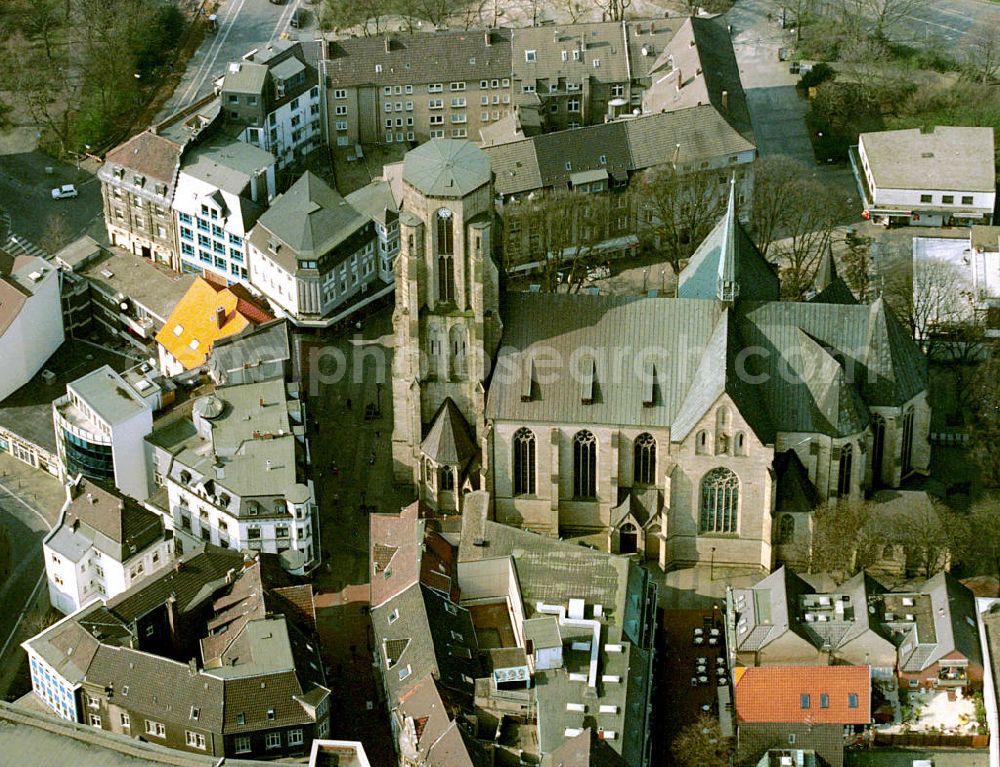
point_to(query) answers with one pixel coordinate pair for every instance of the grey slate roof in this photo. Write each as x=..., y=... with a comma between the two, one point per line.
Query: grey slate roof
x=257, y=354
x=200, y=573
x=769, y=609
x=449, y=441
x=407, y=641
x=159, y=687
x=310, y=219
x=728, y=243
x=446, y=168
x=796, y=493
x=375, y=201
x=42, y=740
x=100, y=516
x=418, y=59
x=630, y=145
x=552, y=571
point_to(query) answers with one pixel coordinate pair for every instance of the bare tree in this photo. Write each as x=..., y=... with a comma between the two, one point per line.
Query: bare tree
x=793, y=220
x=563, y=234
x=680, y=209
x=933, y=297
x=984, y=431
x=701, y=744
x=848, y=537
x=977, y=539
x=983, y=58
x=57, y=234
x=368, y=15
x=925, y=532
x=878, y=17
x=795, y=13
x=857, y=263
x=774, y=181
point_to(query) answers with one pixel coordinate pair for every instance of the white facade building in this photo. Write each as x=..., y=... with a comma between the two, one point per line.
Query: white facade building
x=927, y=177
x=313, y=253
x=273, y=93
x=102, y=544
x=100, y=424
x=221, y=189
x=31, y=319
x=239, y=480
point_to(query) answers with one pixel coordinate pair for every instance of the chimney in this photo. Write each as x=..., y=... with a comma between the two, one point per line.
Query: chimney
x=388, y=44
x=193, y=666
x=679, y=79
x=677, y=154
x=220, y=316
x=488, y=38
x=260, y=402
x=725, y=101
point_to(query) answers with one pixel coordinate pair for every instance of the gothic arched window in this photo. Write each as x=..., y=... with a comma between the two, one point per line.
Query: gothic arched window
x=720, y=499
x=907, y=447
x=445, y=225
x=644, y=460
x=628, y=539
x=878, y=449
x=447, y=475
x=584, y=465
x=786, y=528
x=524, y=462
x=846, y=469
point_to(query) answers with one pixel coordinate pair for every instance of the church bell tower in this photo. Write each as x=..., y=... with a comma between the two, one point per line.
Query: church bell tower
x=446, y=321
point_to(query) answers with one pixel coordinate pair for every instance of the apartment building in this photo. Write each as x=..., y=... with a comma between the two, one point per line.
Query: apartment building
x=102, y=544
x=312, y=253
x=404, y=89
x=376, y=201
x=100, y=423
x=223, y=186
x=581, y=74
x=138, y=181
x=236, y=474
x=170, y=661
x=272, y=98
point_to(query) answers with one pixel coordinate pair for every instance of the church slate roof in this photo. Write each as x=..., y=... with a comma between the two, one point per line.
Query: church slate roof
x=446, y=168
x=829, y=285
x=449, y=441
x=789, y=367
x=756, y=277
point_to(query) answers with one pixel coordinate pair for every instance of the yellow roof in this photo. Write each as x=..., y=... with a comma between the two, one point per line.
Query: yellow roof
x=205, y=314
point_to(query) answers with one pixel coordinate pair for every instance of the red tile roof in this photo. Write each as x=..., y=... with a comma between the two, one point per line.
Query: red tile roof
x=804, y=694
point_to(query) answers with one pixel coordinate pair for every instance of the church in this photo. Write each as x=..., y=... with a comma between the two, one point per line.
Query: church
x=689, y=429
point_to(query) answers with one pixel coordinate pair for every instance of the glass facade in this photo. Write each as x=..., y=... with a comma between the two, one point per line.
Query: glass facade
x=87, y=458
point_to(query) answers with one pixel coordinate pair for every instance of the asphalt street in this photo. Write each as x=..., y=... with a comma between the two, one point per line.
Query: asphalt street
x=243, y=26
x=25, y=526
x=25, y=195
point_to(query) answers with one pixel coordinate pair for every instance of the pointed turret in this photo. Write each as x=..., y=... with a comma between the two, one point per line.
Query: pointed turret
x=827, y=271
x=728, y=287
x=828, y=286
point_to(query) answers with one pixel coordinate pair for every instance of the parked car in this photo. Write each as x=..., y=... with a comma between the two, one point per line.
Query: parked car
x=298, y=18
x=64, y=191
